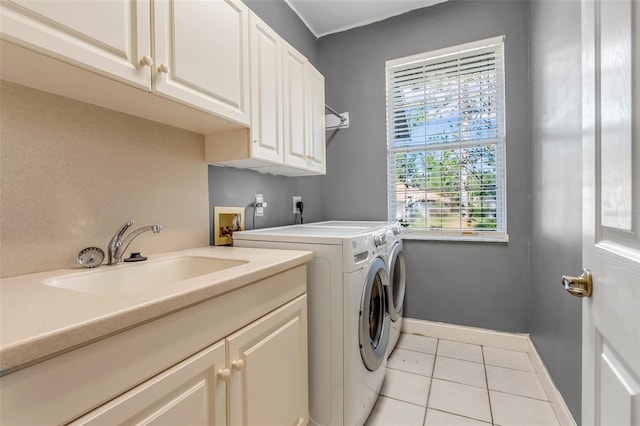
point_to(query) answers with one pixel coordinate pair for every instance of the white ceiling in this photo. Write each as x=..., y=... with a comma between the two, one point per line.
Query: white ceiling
x=325, y=17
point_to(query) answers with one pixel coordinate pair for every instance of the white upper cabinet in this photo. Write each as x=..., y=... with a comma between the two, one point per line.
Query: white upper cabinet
x=109, y=37
x=287, y=135
x=212, y=67
x=202, y=55
x=295, y=106
x=315, y=120
x=266, y=89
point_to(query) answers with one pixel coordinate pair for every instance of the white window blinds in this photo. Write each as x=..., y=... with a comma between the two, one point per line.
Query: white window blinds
x=446, y=141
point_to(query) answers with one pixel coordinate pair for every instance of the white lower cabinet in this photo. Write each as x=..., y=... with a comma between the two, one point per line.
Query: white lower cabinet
x=190, y=393
x=259, y=373
x=269, y=384
x=239, y=358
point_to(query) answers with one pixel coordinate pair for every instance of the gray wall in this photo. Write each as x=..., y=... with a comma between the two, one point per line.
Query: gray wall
x=240, y=186
x=236, y=188
x=556, y=191
x=483, y=285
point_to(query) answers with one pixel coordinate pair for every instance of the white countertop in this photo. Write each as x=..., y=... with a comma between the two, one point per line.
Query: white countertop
x=38, y=321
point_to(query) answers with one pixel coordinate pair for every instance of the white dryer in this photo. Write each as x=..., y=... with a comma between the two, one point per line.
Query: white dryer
x=397, y=283
x=348, y=322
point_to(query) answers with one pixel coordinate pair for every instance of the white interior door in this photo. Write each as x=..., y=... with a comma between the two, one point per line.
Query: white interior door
x=611, y=249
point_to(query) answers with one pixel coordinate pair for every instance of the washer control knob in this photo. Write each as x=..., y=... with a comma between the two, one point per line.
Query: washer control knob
x=396, y=229
x=379, y=240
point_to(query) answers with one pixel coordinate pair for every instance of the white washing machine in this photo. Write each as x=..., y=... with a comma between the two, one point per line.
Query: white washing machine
x=348, y=322
x=395, y=260
x=397, y=283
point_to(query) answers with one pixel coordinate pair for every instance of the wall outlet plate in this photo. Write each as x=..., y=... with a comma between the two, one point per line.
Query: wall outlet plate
x=296, y=198
x=259, y=205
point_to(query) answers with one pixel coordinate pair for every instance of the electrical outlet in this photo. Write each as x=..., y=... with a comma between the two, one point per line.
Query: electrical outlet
x=296, y=198
x=259, y=205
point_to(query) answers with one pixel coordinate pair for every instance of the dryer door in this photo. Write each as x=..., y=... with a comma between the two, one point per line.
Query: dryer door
x=398, y=281
x=374, y=320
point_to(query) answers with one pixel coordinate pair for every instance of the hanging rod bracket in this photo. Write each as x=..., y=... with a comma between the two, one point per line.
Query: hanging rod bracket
x=336, y=120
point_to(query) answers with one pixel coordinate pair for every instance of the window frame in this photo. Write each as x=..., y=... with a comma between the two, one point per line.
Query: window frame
x=436, y=234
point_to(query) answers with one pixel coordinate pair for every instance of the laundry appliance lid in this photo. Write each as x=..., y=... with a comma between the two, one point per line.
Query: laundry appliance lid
x=301, y=234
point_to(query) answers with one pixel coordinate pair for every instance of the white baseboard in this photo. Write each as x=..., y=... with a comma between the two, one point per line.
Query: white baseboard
x=497, y=339
x=555, y=398
x=459, y=333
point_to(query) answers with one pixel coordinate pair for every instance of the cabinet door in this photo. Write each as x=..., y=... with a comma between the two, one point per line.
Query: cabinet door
x=266, y=92
x=190, y=393
x=295, y=107
x=269, y=381
x=109, y=37
x=315, y=120
x=202, y=55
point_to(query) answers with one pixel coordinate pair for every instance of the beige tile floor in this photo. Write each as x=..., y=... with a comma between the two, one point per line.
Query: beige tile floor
x=435, y=382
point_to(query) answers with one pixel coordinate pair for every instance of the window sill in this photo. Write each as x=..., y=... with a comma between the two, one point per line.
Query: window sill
x=426, y=236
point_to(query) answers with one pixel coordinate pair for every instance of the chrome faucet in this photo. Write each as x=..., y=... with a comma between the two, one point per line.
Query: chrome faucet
x=117, y=247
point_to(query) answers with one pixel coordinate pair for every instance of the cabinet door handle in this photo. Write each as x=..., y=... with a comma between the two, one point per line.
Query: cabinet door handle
x=224, y=374
x=164, y=68
x=146, y=60
x=237, y=365
x=300, y=421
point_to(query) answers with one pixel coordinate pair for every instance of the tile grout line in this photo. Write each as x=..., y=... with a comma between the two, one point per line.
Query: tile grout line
x=486, y=378
x=433, y=369
x=521, y=396
x=485, y=368
x=460, y=415
x=468, y=360
x=401, y=400
x=463, y=384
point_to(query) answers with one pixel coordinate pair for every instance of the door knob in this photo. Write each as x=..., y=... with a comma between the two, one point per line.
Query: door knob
x=581, y=286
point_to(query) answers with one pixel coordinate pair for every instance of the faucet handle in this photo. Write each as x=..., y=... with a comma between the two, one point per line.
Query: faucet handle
x=117, y=237
x=126, y=226
x=156, y=229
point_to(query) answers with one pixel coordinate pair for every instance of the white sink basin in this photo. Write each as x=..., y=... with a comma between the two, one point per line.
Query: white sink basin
x=138, y=277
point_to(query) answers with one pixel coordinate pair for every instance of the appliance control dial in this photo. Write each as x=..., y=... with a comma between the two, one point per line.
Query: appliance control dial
x=379, y=239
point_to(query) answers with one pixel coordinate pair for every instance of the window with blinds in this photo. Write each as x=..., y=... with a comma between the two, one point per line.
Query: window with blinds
x=446, y=141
